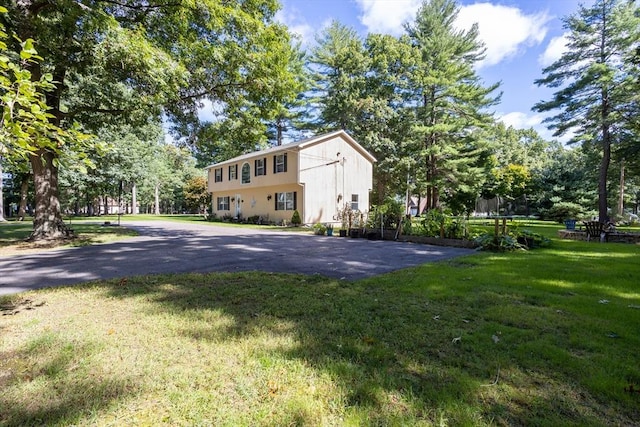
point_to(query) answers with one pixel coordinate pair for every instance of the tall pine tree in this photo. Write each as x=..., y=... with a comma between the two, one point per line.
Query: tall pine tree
x=451, y=102
x=594, y=90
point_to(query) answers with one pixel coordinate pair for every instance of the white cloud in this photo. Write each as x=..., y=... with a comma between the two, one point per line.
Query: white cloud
x=556, y=47
x=387, y=16
x=520, y=120
x=506, y=31
x=297, y=24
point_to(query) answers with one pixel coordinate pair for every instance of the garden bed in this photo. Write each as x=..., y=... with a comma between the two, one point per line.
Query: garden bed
x=456, y=243
x=615, y=237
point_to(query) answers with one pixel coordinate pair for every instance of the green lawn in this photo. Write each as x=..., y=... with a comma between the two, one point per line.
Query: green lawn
x=546, y=337
x=13, y=235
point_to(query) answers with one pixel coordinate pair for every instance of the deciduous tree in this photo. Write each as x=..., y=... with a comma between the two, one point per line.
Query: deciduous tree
x=127, y=61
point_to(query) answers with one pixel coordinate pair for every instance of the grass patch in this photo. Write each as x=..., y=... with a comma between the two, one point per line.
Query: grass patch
x=191, y=219
x=547, y=337
x=14, y=234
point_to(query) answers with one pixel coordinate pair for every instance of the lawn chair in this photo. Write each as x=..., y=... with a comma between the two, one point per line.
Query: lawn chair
x=595, y=229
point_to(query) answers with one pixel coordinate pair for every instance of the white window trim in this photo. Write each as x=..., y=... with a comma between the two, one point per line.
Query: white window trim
x=248, y=181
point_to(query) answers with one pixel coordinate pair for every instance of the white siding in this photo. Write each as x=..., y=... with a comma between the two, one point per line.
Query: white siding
x=331, y=171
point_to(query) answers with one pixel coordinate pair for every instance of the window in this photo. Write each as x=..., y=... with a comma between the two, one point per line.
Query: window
x=286, y=201
x=280, y=163
x=218, y=173
x=260, y=166
x=354, y=202
x=233, y=172
x=246, y=173
x=223, y=203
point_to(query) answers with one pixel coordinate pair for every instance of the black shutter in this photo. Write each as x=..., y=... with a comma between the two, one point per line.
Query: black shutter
x=285, y=162
x=255, y=167
x=274, y=163
x=295, y=200
x=230, y=172
x=276, y=197
x=264, y=166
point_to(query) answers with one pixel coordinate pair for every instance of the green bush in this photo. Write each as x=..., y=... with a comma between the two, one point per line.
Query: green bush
x=295, y=218
x=501, y=243
x=513, y=241
x=561, y=211
x=436, y=224
x=391, y=210
x=319, y=229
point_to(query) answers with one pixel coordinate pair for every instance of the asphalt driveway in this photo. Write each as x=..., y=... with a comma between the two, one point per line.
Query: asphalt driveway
x=174, y=247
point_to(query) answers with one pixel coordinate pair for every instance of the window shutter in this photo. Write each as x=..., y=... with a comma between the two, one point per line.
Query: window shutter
x=274, y=164
x=285, y=162
x=264, y=166
x=295, y=199
x=255, y=167
x=230, y=172
x=276, y=197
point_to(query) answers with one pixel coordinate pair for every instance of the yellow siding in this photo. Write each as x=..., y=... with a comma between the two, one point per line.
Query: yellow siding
x=269, y=179
x=256, y=201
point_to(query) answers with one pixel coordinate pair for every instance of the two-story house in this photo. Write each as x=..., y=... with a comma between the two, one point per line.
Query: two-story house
x=315, y=176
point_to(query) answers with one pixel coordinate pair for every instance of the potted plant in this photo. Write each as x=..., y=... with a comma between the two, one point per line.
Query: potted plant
x=345, y=216
x=329, y=228
x=319, y=229
x=355, y=222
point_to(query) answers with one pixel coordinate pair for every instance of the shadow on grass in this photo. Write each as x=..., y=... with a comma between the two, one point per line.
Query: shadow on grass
x=402, y=355
x=49, y=381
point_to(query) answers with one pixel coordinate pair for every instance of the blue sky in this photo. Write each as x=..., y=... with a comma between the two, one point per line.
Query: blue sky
x=521, y=37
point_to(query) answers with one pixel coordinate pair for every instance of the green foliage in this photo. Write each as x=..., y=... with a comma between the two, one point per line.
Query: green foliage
x=125, y=64
x=562, y=211
x=392, y=210
x=451, y=101
x=514, y=240
x=502, y=243
x=596, y=95
x=295, y=218
x=435, y=223
x=28, y=125
x=319, y=229
x=196, y=195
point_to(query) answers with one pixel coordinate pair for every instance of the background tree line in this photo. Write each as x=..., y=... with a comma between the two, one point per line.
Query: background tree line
x=414, y=101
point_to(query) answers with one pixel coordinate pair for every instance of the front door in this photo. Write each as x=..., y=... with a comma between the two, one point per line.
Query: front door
x=238, y=206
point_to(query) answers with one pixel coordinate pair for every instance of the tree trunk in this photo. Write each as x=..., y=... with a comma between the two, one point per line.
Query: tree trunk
x=24, y=193
x=157, y=200
x=47, y=221
x=606, y=159
x=134, y=199
x=1, y=195
x=621, y=196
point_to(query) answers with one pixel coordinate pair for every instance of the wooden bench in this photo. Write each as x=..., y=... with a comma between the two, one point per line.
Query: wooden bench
x=595, y=229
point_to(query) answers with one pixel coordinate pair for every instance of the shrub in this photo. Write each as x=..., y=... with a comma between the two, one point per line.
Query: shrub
x=532, y=240
x=391, y=210
x=513, y=241
x=437, y=224
x=295, y=218
x=319, y=229
x=561, y=211
x=501, y=243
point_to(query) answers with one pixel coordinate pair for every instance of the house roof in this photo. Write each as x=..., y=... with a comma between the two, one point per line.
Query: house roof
x=297, y=146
